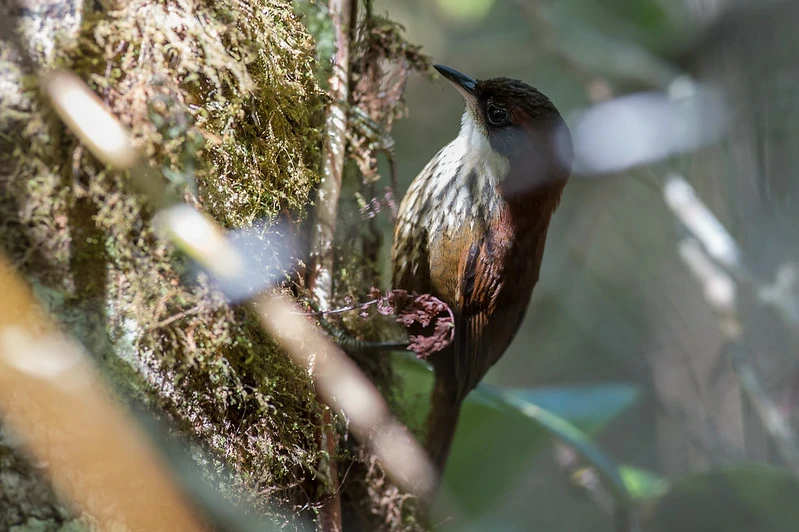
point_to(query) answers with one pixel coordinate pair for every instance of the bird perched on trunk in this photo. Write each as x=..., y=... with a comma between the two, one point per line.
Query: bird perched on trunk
x=471, y=231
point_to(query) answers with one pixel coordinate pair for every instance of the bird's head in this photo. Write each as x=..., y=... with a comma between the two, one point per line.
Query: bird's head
x=510, y=119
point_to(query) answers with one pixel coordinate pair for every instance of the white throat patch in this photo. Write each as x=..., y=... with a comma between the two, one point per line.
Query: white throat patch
x=476, y=145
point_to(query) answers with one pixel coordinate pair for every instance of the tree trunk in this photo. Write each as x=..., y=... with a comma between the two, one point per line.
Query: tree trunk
x=222, y=100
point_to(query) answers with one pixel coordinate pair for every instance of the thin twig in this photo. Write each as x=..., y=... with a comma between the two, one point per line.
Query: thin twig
x=175, y=317
x=343, y=14
x=340, y=310
x=342, y=338
x=333, y=157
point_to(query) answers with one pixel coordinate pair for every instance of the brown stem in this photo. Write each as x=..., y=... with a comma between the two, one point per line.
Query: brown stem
x=333, y=157
x=343, y=14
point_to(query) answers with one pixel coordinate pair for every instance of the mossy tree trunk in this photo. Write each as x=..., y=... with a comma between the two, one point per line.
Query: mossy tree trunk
x=222, y=99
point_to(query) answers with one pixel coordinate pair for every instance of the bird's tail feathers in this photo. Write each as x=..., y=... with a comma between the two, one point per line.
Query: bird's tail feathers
x=441, y=423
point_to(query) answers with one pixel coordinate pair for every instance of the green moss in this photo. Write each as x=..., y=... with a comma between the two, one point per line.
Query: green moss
x=221, y=99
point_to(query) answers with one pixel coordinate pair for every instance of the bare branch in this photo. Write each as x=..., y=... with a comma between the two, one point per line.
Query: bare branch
x=324, y=228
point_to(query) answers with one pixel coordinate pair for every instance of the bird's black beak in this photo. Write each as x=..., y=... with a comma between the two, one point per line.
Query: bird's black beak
x=463, y=83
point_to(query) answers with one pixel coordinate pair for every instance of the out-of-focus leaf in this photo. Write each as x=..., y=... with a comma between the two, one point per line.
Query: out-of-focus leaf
x=500, y=432
x=588, y=407
x=738, y=498
x=560, y=428
x=617, y=58
x=466, y=11
x=642, y=485
x=647, y=23
x=494, y=442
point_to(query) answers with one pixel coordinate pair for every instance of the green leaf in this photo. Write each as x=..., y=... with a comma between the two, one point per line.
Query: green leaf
x=588, y=407
x=500, y=433
x=736, y=498
x=642, y=485
x=559, y=428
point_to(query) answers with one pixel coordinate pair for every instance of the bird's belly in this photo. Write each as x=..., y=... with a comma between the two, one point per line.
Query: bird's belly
x=447, y=249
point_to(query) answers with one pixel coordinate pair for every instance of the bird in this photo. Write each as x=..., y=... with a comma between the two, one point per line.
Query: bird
x=471, y=231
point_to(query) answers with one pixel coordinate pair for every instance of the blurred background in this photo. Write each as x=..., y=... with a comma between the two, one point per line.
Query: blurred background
x=616, y=304
x=653, y=385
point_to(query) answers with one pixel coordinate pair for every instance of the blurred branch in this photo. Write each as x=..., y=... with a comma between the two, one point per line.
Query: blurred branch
x=53, y=398
x=715, y=260
x=722, y=248
x=588, y=479
x=580, y=476
x=320, y=282
x=343, y=386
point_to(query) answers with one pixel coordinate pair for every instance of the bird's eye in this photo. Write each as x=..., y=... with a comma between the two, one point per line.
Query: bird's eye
x=497, y=116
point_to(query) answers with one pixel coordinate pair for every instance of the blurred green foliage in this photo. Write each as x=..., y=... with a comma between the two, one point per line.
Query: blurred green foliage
x=743, y=497
x=500, y=433
x=466, y=11
x=641, y=484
